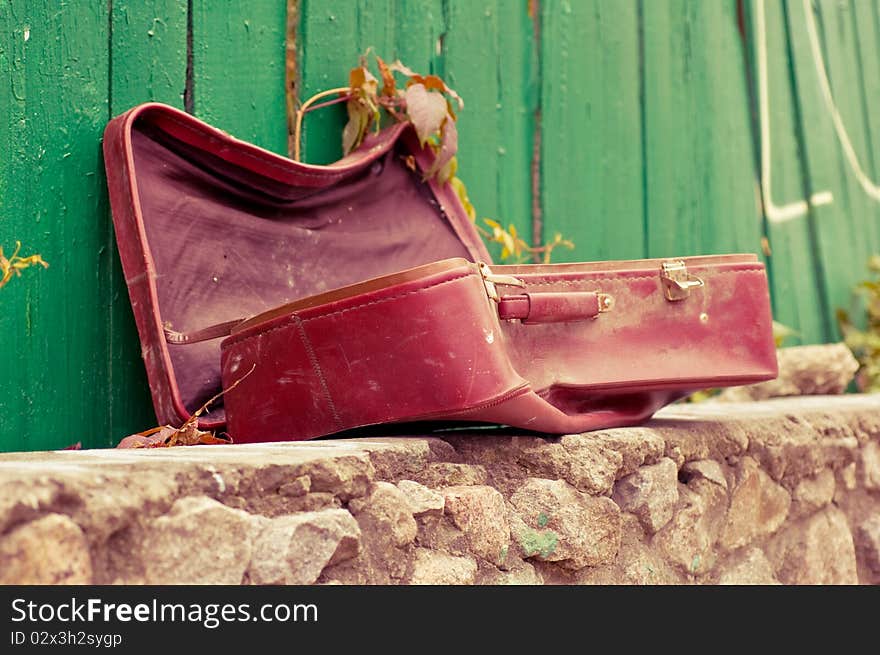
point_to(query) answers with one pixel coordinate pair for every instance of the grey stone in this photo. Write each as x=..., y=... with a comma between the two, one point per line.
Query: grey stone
x=297, y=487
x=752, y=568
x=295, y=549
x=184, y=546
x=389, y=511
x=870, y=465
x=812, y=494
x=688, y=540
x=479, y=512
x=817, y=550
x=422, y=501
x=868, y=544
x=554, y=522
x=803, y=370
x=451, y=474
x=435, y=568
x=47, y=551
x=650, y=493
x=758, y=506
x=708, y=469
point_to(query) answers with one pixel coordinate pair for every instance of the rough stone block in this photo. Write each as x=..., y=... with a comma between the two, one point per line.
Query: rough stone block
x=868, y=543
x=688, y=540
x=752, y=568
x=48, y=550
x=388, y=510
x=816, y=550
x=295, y=549
x=812, y=494
x=184, y=546
x=758, y=506
x=431, y=567
x=422, y=501
x=479, y=512
x=650, y=493
x=554, y=522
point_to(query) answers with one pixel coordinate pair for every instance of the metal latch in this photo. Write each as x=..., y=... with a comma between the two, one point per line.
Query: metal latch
x=677, y=282
x=491, y=281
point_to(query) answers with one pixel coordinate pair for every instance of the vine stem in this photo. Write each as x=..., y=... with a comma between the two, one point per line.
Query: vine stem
x=297, y=131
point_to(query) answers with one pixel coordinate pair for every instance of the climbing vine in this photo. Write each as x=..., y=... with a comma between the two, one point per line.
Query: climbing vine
x=430, y=105
x=14, y=265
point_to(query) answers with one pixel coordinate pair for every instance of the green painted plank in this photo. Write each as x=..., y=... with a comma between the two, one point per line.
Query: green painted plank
x=148, y=52
x=795, y=280
x=843, y=64
x=700, y=167
x=518, y=96
x=54, y=322
x=148, y=63
x=446, y=38
x=591, y=129
x=419, y=36
x=841, y=240
x=867, y=32
x=470, y=56
x=325, y=54
x=238, y=69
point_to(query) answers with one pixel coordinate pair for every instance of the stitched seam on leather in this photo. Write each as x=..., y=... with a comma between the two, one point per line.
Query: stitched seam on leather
x=624, y=278
x=382, y=300
x=518, y=391
x=260, y=158
x=345, y=309
x=313, y=358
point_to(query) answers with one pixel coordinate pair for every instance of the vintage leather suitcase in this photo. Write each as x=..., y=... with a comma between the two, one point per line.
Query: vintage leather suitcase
x=369, y=298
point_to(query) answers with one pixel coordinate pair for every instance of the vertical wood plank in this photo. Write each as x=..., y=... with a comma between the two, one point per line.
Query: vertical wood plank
x=471, y=55
x=591, y=132
x=700, y=169
x=148, y=53
x=54, y=322
x=839, y=231
x=844, y=67
x=238, y=69
x=518, y=96
x=795, y=280
x=147, y=63
x=325, y=54
x=420, y=33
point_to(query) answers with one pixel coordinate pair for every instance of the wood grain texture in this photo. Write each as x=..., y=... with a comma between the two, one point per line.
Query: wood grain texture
x=54, y=323
x=238, y=69
x=147, y=64
x=700, y=177
x=796, y=277
x=592, y=168
x=842, y=241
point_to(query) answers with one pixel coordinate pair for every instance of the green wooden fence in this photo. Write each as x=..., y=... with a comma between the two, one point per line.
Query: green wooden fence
x=634, y=127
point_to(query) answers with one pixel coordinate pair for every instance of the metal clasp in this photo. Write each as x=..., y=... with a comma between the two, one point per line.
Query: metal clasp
x=491, y=281
x=677, y=282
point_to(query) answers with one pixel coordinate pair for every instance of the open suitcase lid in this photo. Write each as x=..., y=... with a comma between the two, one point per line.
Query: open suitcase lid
x=210, y=229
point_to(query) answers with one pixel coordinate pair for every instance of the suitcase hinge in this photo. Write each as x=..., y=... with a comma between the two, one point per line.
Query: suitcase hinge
x=492, y=281
x=677, y=282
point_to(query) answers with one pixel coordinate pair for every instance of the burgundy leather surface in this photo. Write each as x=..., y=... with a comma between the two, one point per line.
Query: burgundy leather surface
x=549, y=307
x=436, y=347
x=211, y=229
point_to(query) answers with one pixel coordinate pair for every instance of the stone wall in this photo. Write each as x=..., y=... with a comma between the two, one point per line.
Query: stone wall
x=781, y=491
